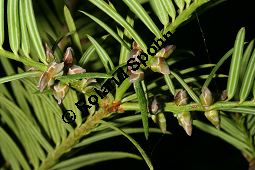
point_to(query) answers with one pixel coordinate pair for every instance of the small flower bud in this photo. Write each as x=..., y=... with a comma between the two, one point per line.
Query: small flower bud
x=161, y=122
x=135, y=75
x=43, y=81
x=206, y=97
x=136, y=46
x=59, y=92
x=49, y=54
x=76, y=70
x=213, y=117
x=68, y=57
x=185, y=121
x=154, y=118
x=181, y=98
x=166, y=52
x=133, y=62
x=85, y=84
x=160, y=65
x=136, y=58
x=55, y=69
x=46, y=78
x=224, y=95
x=155, y=107
x=59, y=70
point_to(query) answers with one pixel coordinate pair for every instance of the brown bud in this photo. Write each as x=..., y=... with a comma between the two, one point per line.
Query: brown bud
x=224, y=95
x=76, y=70
x=213, y=117
x=55, y=68
x=155, y=108
x=160, y=65
x=135, y=75
x=185, y=121
x=166, y=52
x=68, y=57
x=181, y=97
x=59, y=91
x=49, y=54
x=206, y=97
x=43, y=81
x=136, y=46
x=136, y=51
x=46, y=79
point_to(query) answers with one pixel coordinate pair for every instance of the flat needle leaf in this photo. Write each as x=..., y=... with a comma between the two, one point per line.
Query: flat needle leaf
x=143, y=106
x=235, y=64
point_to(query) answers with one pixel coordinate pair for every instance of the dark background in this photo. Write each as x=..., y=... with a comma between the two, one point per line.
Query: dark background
x=201, y=151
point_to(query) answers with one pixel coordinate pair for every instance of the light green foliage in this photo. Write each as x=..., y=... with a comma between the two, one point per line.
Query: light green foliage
x=235, y=64
x=33, y=30
x=143, y=16
x=169, y=6
x=143, y=105
x=13, y=25
x=25, y=44
x=103, y=55
x=159, y=9
x=71, y=26
x=1, y=23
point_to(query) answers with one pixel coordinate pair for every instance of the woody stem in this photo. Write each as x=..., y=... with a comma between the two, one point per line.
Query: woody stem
x=72, y=139
x=172, y=107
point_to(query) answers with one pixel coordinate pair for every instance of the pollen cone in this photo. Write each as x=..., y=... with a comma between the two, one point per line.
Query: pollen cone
x=185, y=121
x=213, y=117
